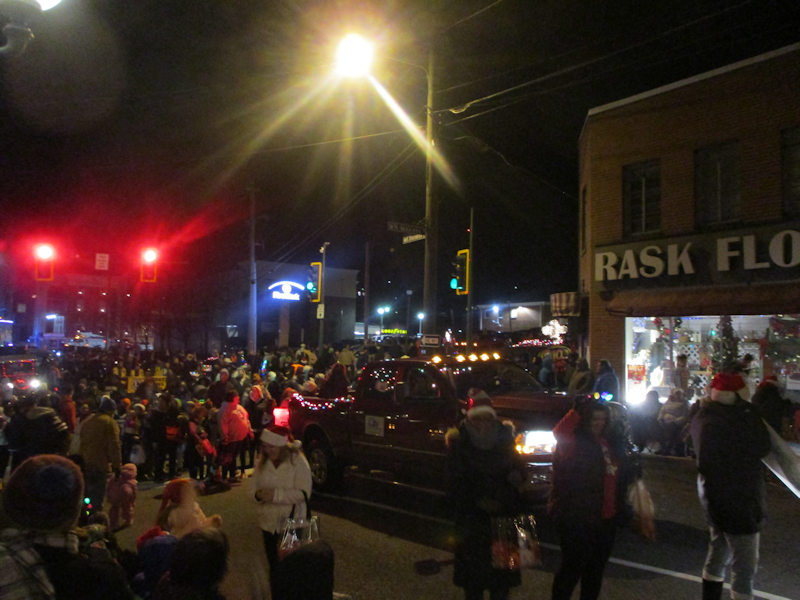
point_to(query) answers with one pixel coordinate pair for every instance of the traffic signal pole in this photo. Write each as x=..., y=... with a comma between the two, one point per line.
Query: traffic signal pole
x=321, y=305
x=469, y=274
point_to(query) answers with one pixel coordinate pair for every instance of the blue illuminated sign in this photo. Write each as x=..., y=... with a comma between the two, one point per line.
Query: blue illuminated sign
x=286, y=290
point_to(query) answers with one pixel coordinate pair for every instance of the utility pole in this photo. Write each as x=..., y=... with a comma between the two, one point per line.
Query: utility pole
x=321, y=305
x=366, y=292
x=252, y=321
x=431, y=217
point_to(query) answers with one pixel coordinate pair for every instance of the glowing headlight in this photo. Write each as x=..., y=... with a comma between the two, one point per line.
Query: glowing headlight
x=536, y=442
x=35, y=383
x=9, y=385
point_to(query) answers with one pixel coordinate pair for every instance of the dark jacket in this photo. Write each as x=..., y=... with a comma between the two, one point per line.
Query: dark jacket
x=772, y=407
x=729, y=441
x=482, y=483
x=39, y=431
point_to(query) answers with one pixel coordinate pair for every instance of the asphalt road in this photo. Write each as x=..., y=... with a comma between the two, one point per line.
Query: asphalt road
x=392, y=543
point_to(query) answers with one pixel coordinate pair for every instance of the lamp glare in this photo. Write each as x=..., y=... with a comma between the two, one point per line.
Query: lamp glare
x=354, y=56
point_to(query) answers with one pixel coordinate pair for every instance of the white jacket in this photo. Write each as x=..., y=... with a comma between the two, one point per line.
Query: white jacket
x=289, y=480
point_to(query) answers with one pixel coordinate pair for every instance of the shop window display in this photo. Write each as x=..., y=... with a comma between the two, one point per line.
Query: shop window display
x=654, y=343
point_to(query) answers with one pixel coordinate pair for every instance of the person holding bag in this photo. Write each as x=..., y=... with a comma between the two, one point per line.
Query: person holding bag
x=591, y=475
x=281, y=484
x=484, y=475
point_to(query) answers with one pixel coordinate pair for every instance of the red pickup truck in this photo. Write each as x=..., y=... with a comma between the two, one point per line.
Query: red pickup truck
x=398, y=412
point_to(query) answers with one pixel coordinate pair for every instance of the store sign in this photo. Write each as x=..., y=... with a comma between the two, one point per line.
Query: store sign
x=286, y=290
x=759, y=254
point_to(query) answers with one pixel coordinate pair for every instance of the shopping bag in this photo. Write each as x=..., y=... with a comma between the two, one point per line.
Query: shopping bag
x=783, y=461
x=515, y=544
x=298, y=533
x=138, y=456
x=644, y=511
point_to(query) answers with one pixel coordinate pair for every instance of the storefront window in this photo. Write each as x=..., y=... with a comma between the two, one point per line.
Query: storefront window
x=655, y=343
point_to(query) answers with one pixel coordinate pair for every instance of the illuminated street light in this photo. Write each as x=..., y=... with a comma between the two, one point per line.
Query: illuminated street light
x=383, y=310
x=354, y=56
x=420, y=316
x=18, y=15
x=432, y=160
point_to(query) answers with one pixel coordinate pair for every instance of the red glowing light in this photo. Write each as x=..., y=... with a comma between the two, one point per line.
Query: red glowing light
x=44, y=251
x=149, y=255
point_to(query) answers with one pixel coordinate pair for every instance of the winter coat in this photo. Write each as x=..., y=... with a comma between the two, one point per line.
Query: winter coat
x=234, y=423
x=39, y=431
x=674, y=412
x=482, y=482
x=289, y=479
x=101, y=447
x=771, y=405
x=121, y=495
x=607, y=381
x=579, y=469
x=729, y=441
x=580, y=382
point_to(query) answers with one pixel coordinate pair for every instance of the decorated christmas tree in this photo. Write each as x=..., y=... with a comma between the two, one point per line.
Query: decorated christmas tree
x=726, y=344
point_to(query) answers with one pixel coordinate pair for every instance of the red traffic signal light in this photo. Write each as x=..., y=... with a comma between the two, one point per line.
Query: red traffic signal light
x=148, y=267
x=44, y=255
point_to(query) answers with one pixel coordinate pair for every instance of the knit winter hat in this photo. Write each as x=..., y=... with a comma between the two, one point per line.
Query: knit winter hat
x=44, y=493
x=107, y=405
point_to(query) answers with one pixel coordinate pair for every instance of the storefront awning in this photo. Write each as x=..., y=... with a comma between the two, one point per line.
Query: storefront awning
x=565, y=304
x=744, y=300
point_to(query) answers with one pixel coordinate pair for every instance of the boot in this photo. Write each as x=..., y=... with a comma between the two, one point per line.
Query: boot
x=712, y=590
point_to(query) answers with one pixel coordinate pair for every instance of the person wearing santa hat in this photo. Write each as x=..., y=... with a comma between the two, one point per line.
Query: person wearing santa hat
x=484, y=475
x=730, y=439
x=281, y=485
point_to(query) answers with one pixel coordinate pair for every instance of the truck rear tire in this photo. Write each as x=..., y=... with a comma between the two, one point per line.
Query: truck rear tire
x=325, y=473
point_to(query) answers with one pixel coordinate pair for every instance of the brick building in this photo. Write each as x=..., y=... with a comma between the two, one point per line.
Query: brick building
x=690, y=210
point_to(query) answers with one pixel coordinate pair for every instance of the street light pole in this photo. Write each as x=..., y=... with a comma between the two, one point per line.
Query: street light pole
x=431, y=213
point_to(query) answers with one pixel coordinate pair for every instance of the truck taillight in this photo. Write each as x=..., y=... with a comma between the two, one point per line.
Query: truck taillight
x=280, y=416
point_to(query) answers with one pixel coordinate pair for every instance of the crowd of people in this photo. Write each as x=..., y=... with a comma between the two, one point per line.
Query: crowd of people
x=77, y=452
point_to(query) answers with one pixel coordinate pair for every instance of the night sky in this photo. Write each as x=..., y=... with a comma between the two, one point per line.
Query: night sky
x=130, y=122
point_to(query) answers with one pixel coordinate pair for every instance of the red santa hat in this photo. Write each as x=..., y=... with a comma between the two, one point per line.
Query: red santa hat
x=728, y=387
x=480, y=404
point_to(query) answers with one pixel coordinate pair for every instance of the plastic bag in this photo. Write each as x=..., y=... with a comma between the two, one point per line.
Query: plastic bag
x=297, y=533
x=138, y=456
x=515, y=544
x=644, y=511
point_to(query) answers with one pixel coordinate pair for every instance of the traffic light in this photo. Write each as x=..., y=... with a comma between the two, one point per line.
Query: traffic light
x=460, y=278
x=44, y=255
x=314, y=283
x=148, y=267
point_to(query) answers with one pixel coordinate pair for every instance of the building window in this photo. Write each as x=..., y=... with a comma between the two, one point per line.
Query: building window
x=790, y=165
x=716, y=183
x=641, y=193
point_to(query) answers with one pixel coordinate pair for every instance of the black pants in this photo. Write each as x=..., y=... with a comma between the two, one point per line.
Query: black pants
x=271, y=542
x=585, y=550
